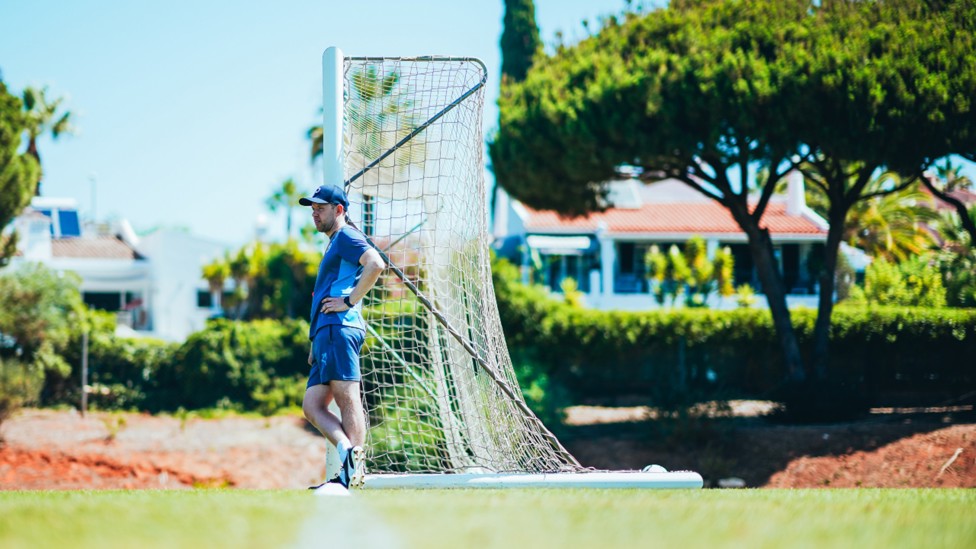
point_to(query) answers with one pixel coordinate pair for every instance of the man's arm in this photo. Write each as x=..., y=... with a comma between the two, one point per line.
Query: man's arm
x=373, y=265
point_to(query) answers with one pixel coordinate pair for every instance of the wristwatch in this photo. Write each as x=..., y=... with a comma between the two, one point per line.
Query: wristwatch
x=348, y=303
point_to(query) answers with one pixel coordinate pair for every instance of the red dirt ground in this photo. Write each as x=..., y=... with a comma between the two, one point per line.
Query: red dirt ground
x=46, y=449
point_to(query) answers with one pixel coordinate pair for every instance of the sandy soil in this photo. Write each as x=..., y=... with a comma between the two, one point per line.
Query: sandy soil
x=46, y=449
x=57, y=449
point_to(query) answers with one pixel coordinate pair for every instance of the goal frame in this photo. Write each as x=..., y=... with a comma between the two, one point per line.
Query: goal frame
x=333, y=156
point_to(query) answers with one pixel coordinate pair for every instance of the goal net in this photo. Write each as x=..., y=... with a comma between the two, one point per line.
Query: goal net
x=439, y=389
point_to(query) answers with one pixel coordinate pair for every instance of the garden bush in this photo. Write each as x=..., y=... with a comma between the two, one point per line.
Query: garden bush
x=121, y=371
x=235, y=364
x=37, y=308
x=562, y=355
x=882, y=354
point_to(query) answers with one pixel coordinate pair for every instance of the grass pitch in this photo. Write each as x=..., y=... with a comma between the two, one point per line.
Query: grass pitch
x=491, y=518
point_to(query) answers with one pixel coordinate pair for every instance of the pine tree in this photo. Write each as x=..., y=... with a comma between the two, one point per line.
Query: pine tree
x=520, y=39
x=18, y=172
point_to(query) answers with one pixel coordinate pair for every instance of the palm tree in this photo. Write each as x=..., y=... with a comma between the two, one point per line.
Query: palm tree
x=44, y=116
x=216, y=272
x=379, y=114
x=957, y=260
x=285, y=197
x=953, y=177
x=950, y=180
x=314, y=135
x=891, y=223
x=241, y=266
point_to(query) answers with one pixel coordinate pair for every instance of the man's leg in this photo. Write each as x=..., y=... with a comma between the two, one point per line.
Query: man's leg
x=346, y=394
x=316, y=408
x=354, y=425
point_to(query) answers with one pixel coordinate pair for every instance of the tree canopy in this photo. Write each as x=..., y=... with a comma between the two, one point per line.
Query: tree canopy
x=711, y=91
x=719, y=82
x=44, y=115
x=18, y=171
x=520, y=38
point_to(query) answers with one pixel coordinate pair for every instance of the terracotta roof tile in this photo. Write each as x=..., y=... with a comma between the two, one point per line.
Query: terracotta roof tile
x=99, y=247
x=965, y=196
x=675, y=217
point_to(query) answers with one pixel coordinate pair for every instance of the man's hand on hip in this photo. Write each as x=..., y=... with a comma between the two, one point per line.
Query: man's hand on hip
x=333, y=305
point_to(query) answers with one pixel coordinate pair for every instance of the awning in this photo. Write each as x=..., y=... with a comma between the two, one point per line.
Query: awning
x=560, y=245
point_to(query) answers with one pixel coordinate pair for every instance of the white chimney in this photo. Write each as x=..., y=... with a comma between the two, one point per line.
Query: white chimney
x=796, y=199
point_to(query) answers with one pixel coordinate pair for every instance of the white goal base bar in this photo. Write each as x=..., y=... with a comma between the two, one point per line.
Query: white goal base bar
x=605, y=479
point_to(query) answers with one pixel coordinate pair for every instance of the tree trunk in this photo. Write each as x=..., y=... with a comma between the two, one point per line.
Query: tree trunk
x=761, y=247
x=825, y=305
x=967, y=222
x=32, y=150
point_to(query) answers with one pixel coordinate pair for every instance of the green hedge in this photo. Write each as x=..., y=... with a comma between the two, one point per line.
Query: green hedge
x=562, y=354
x=887, y=354
x=245, y=365
x=259, y=365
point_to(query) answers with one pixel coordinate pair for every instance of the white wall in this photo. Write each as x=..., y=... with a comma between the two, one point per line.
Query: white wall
x=176, y=260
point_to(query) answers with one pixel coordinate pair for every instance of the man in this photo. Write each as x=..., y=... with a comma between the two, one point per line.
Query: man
x=348, y=271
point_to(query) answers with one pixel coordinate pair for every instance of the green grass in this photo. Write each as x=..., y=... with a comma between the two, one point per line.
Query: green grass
x=504, y=518
x=150, y=518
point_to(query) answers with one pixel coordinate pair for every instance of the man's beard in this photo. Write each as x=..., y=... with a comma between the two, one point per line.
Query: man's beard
x=326, y=228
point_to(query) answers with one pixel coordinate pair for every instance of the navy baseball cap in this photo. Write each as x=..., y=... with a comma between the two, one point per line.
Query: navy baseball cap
x=326, y=194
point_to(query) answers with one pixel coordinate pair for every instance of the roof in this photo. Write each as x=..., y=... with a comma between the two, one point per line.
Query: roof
x=674, y=217
x=965, y=196
x=98, y=247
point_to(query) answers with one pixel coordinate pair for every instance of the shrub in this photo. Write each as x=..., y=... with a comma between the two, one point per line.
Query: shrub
x=37, y=307
x=237, y=362
x=689, y=272
x=20, y=385
x=121, y=371
x=916, y=282
x=745, y=296
x=877, y=353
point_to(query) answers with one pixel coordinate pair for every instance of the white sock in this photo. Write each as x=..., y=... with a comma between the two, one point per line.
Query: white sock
x=343, y=447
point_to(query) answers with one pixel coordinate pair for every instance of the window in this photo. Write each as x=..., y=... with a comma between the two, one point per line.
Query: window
x=205, y=298
x=105, y=301
x=743, y=272
x=369, y=215
x=625, y=257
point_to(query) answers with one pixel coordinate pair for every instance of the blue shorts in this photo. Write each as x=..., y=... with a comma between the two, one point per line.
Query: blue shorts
x=335, y=355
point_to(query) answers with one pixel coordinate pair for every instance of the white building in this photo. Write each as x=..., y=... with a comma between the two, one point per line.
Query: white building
x=604, y=252
x=181, y=296
x=153, y=284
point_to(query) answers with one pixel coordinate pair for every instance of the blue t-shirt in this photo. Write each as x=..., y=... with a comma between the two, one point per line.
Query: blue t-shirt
x=338, y=274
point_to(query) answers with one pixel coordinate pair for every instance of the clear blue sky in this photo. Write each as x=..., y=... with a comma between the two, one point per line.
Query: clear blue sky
x=190, y=113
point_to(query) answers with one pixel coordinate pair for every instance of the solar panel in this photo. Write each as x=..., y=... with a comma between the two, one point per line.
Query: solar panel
x=70, y=225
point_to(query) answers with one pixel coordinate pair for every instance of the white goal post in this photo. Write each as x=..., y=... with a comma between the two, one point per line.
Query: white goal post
x=443, y=405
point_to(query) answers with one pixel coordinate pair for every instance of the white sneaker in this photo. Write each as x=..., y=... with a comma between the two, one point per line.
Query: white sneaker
x=357, y=466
